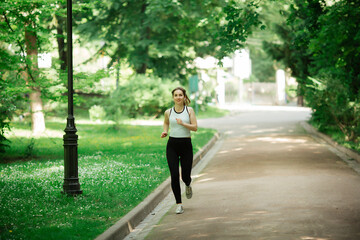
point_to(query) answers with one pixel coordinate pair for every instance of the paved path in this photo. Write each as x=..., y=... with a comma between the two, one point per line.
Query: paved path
x=267, y=180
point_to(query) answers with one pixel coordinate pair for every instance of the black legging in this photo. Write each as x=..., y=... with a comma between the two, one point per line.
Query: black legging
x=179, y=149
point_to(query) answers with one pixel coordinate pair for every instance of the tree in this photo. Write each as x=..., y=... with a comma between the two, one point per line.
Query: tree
x=21, y=25
x=159, y=36
x=295, y=31
x=320, y=46
x=264, y=64
x=10, y=94
x=334, y=89
x=240, y=19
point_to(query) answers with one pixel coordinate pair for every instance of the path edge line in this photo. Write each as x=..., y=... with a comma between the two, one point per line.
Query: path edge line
x=128, y=222
x=349, y=152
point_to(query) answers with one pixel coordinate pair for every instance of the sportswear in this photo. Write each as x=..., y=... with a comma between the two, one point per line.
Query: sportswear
x=176, y=130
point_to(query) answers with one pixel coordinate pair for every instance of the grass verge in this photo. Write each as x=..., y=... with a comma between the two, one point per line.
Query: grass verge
x=336, y=135
x=119, y=165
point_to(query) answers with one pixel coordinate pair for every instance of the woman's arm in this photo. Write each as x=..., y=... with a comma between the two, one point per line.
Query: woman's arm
x=166, y=124
x=193, y=122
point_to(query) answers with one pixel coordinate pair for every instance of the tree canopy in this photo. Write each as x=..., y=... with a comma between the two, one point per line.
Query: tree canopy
x=317, y=39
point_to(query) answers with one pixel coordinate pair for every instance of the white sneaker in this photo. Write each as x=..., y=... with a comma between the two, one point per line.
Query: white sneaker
x=179, y=209
x=188, y=192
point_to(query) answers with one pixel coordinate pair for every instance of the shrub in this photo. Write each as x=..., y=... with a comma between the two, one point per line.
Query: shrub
x=97, y=113
x=141, y=95
x=334, y=105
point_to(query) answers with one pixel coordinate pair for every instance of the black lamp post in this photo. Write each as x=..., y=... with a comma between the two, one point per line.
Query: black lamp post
x=71, y=178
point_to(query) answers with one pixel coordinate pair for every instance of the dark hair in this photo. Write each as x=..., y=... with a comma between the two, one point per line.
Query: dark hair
x=186, y=100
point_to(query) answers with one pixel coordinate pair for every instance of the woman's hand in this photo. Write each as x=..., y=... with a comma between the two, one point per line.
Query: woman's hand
x=163, y=134
x=179, y=121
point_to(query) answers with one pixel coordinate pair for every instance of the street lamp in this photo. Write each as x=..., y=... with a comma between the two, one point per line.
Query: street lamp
x=71, y=178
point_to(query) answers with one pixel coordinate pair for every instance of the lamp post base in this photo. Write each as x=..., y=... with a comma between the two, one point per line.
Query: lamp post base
x=71, y=187
x=71, y=184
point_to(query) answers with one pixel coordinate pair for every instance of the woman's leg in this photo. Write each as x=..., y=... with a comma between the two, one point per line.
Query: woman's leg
x=186, y=161
x=173, y=162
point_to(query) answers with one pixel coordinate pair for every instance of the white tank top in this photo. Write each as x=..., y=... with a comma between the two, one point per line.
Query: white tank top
x=176, y=130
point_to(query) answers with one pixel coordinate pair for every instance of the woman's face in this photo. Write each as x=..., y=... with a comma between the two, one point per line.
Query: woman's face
x=178, y=97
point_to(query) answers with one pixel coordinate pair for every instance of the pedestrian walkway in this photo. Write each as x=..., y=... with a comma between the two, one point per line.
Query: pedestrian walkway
x=269, y=179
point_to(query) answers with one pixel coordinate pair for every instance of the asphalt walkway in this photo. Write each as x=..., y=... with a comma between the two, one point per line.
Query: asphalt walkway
x=267, y=179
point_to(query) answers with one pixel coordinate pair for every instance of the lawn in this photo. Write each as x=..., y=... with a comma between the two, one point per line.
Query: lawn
x=119, y=165
x=212, y=112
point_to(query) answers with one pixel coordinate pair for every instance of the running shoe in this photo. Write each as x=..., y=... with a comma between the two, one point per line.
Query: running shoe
x=179, y=209
x=188, y=192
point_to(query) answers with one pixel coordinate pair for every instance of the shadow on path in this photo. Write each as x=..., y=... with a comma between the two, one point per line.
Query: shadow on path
x=268, y=180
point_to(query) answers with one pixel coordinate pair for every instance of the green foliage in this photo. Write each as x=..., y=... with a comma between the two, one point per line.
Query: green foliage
x=157, y=36
x=336, y=134
x=240, y=20
x=141, y=95
x=97, y=113
x=18, y=74
x=332, y=105
x=262, y=65
x=335, y=50
x=335, y=65
x=269, y=47
x=296, y=27
x=320, y=45
x=29, y=150
x=11, y=98
x=86, y=82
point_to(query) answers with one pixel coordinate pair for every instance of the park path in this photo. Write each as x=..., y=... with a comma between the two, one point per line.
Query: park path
x=268, y=180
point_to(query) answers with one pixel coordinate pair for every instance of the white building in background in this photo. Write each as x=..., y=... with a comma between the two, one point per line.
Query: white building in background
x=234, y=69
x=280, y=90
x=230, y=87
x=242, y=64
x=241, y=70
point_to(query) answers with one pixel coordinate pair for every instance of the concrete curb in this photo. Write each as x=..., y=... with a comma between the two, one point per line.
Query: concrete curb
x=127, y=223
x=351, y=153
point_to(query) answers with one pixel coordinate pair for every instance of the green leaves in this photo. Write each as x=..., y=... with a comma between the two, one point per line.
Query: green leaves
x=320, y=46
x=141, y=96
x=158, y=35
x=240, y=20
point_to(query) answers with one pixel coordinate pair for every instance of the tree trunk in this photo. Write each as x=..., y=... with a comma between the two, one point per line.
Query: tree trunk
x=142, y=68
x=143, y=51
x=117, y=74
x=61, y=41
x=36, y=105
x=37, y=114
x=300, y=101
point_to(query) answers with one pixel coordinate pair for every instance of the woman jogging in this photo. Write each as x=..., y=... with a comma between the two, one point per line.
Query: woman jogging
x=181, y=119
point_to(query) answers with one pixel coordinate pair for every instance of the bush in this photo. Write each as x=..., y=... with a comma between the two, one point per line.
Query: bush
x=97, y=113
x=334, y=90
x=333, y=105
x=140, y=96
x=10, y=96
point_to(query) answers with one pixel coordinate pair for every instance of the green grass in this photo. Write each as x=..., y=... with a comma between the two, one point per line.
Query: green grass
x=336, y=135
x=118, y=167
x=211, y=112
